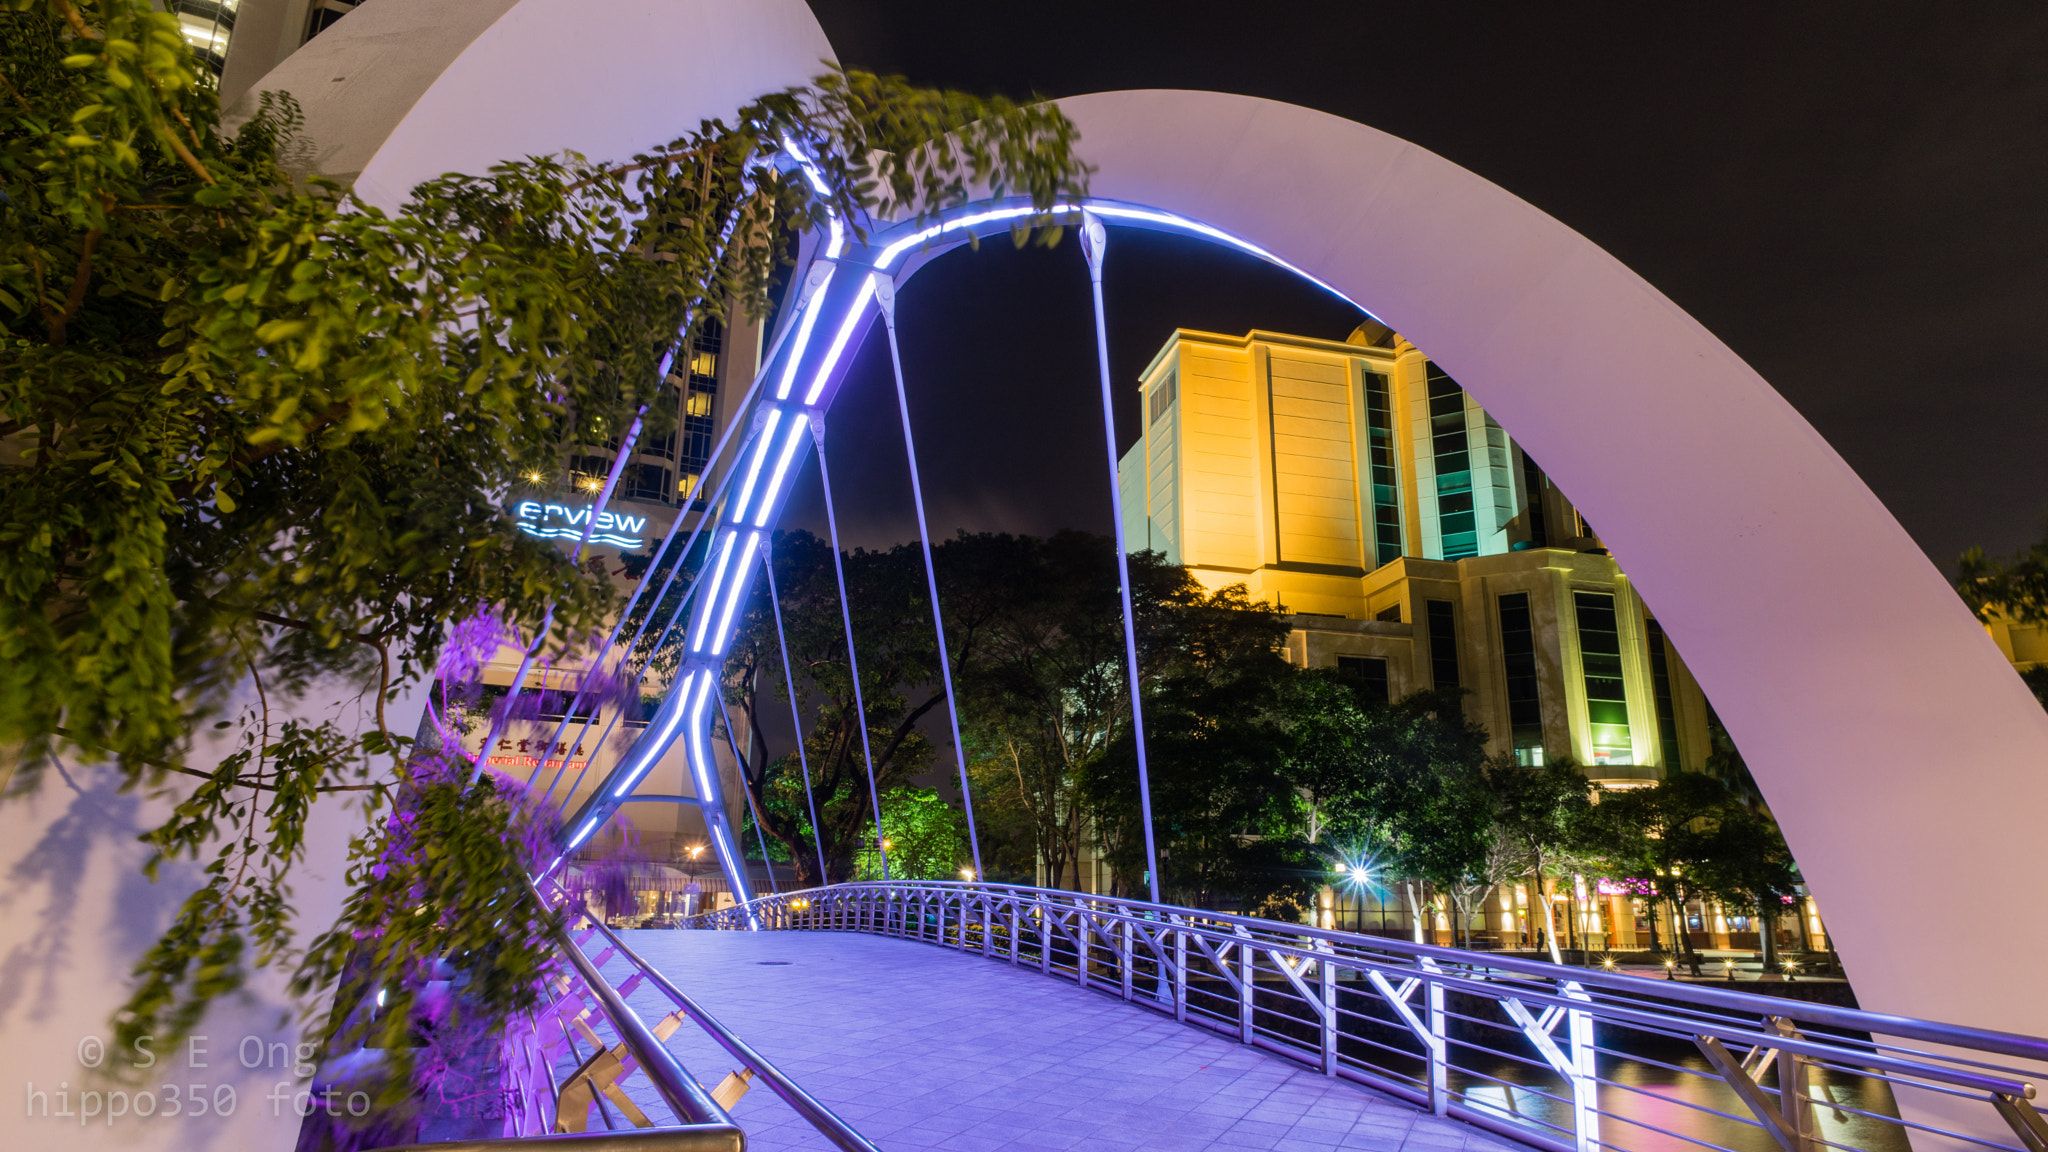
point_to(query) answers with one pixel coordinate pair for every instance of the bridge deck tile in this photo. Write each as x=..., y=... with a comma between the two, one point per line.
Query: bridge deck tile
x=926, y=1049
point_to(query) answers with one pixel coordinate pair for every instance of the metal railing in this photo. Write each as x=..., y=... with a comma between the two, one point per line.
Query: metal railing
x=554, y=1107
x=1555, y=1057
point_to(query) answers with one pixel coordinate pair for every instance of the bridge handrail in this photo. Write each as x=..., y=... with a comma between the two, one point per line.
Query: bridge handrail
x=1243, y=975
x=1744, y=1003
x=820, y=1117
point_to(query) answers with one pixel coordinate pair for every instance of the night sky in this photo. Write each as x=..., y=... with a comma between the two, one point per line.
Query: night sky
x=1853, y=196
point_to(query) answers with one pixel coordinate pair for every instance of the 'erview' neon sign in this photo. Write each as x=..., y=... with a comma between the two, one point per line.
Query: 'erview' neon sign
x=559, y=521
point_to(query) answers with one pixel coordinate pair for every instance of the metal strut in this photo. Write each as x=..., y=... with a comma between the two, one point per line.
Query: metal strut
x=747, y=788
x=885, y=297
x=703, y=520
x=803, y=758
x=1094, y=239
x=846, y=615
x=547, y=623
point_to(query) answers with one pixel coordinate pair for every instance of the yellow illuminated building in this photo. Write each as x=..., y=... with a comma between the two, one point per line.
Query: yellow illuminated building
x=1355, y=486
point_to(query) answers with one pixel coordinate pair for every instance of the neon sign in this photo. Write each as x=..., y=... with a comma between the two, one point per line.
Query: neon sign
x=561, y=522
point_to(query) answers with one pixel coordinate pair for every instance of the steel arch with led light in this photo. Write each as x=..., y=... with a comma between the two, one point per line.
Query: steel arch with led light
x=838, y=296
x=1850, y=692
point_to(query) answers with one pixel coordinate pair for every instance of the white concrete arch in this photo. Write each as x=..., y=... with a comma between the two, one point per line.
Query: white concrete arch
x=1900, y=751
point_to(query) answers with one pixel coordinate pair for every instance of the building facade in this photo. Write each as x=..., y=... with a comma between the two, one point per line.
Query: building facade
x=660, y=482
x=1354, y=485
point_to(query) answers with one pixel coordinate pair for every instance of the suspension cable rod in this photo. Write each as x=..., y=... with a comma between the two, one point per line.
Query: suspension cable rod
x=618, y=714
x=717, y=450
x=746, y=787
x=846, y=615
x=677, y=616
x=547, y=622
x=803, y=758
x=1094, y=238
x=885, y=296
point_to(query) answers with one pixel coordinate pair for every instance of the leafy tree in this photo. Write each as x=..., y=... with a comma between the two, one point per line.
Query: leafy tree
x=2015, y=589
x=1740, y=860
x=1545, y=811
x=926, y=838
x=1398, y=781
x=899, y=670
x=1047, y=695
x=1223, y=816
x=1663, y=834
x=258, y=433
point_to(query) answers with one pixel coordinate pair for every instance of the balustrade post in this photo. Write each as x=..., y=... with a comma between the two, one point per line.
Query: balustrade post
x=1180, y=974
x=1084, y=934
x=1016, y=931
x=1439, y=1049
x=964, y=906
x=1585, y=1085
x=1129, y=958
x=1795, y=1102
x=1044, y=937
x=1328, y=972
x=1248, y=983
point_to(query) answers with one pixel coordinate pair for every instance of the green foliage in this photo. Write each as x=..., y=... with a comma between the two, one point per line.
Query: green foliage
x=1044, y=696
x=926, y=839
x=2016, y=590
x=898, y=667
x=438, y=888
x=1213, y=680
x=253, y=431
x=1690, y=835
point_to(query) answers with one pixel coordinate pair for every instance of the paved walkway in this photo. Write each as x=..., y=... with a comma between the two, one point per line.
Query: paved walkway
x=922, y=1048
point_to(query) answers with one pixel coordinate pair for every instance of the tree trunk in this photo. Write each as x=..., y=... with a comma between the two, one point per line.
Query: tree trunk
x=1767, y=936
x=1549, y=920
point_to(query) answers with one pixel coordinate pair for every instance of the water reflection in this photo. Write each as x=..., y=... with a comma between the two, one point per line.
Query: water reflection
x=1657, y=1091
x=1658, y=1087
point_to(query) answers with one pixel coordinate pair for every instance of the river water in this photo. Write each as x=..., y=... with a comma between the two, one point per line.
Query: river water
x=1658, y=1091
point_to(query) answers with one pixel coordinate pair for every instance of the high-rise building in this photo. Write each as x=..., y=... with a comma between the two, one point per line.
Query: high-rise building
x=1354, y=485
x=695, y=404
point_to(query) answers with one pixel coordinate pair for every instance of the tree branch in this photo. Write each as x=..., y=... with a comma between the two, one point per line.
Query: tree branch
x=76, y=21
x=16, y=93
x=75, y=299
x=197, y=774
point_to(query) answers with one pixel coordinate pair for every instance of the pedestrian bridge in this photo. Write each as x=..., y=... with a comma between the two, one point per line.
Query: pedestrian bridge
x=919, y=1014
x=919, y=1047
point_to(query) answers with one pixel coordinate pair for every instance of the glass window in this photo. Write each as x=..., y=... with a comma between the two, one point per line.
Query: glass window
x=1606, y=695
x=704, y=349
x=1390, y=614
x=1164, y=394
x=1386, y=499
x=1443, y=643
x=1455, y=523
x=645, y=482
x=1370, y=670
x=1534, y=482
x=1660, y=683
x=1518, y=659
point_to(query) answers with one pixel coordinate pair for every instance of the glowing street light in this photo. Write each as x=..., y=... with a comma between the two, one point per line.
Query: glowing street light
x=967, y=873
